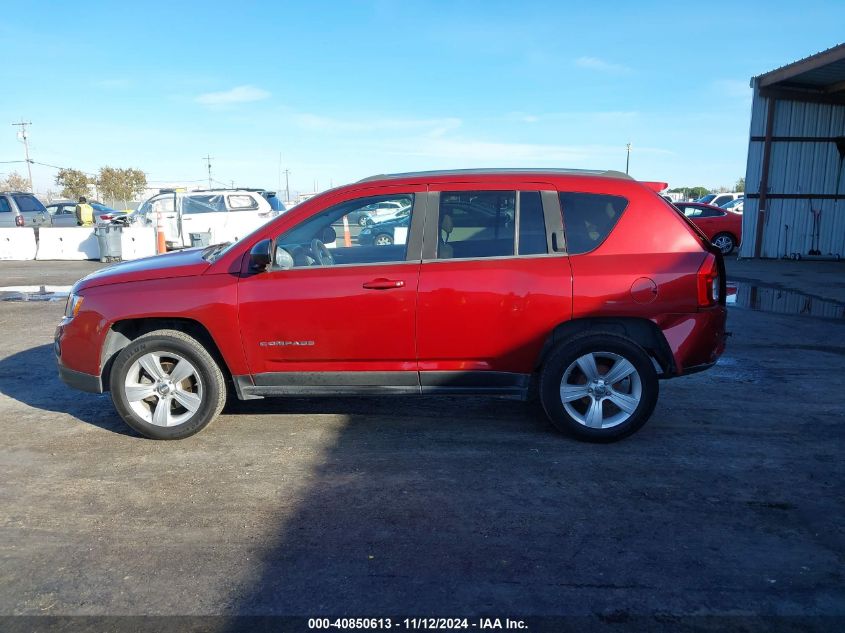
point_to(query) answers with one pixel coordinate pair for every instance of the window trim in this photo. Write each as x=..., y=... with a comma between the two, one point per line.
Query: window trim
x=229, y=208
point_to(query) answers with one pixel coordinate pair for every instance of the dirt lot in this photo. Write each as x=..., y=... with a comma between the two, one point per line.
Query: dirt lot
x=730, y=501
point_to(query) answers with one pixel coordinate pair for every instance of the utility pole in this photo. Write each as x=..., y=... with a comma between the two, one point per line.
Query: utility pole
x=207, y=159
x=24, y=137
x=287, y=185
x=628, y=158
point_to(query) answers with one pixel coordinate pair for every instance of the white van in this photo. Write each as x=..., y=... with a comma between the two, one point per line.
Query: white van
x=226, y=214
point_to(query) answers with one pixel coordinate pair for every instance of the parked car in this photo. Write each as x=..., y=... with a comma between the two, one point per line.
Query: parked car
x=385, y=233
x=227, y=214
x=734, y=205
x=382, y=211
x=63, y=213
x=723, y=228
x=719, y=199
x=19, y=208
x=552, y=282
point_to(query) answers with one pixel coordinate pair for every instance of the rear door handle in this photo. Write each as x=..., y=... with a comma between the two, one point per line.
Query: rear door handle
x=384, y=284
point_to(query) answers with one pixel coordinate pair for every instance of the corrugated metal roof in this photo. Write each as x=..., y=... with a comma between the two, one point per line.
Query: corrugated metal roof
x=822, y=70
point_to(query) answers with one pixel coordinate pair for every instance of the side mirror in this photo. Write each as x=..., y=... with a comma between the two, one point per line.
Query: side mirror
x=329, y=235
x=260, y=257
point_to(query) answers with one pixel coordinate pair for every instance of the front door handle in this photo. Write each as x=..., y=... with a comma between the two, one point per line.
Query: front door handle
x=383, y=284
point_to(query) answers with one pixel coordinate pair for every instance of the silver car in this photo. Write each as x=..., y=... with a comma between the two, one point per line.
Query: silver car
x=18, y=208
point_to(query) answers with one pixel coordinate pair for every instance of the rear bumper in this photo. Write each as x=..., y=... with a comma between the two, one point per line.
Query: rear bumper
x=80, y=380
x=696, y=340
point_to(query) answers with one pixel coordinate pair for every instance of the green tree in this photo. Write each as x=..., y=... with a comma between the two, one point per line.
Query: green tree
x=121, y=184
x=74, y=183
x=14, y=182
x=739, y=187
x=691, y=192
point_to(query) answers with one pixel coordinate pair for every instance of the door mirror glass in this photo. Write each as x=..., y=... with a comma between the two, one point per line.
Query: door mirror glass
x=260, y=256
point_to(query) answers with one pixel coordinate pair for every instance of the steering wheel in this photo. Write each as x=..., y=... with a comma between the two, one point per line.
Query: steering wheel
x=322, y=254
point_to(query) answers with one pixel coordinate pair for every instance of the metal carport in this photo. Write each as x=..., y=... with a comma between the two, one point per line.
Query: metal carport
x=794, y=178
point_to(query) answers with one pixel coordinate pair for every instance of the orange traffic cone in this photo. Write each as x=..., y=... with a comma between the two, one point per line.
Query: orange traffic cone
x=161, y=244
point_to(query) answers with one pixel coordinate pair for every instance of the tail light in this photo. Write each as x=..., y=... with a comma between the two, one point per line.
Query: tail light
x=708, y=282
x=107, y=216
x=19, y=221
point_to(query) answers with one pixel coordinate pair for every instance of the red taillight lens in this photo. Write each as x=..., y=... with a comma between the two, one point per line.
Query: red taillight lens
x=19, y=221
x=708, y=282
x=107, y=216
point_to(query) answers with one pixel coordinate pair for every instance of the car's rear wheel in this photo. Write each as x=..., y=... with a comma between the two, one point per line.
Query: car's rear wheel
x=383, y=240
x=599, y=387
x=725, y=242
x=166, y=386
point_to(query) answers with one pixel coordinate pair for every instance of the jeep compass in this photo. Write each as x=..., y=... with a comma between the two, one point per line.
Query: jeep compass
x=580, y=289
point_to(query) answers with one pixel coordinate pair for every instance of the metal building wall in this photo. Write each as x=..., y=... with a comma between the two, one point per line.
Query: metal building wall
x=795, y=168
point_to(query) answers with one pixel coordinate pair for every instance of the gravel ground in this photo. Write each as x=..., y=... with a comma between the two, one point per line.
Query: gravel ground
x=729, y=502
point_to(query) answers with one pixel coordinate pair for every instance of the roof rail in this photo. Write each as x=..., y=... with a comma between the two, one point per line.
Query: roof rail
x=605, y=173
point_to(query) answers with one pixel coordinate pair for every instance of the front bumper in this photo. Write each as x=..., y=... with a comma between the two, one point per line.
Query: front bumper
x=72, y=378
x=80, y=380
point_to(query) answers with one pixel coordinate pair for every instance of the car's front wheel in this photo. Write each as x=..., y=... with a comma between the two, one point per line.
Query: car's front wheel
x=166, y=385
x=599, y=387
x=383, y=240
x=725, y=242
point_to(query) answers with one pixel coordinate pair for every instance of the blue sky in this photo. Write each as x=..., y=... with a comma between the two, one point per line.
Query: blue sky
x=343, y=90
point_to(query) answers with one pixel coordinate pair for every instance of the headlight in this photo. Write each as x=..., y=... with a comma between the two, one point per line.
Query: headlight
x=365, y=231
x=74, y=303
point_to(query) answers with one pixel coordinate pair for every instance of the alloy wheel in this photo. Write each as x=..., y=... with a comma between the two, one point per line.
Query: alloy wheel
x=163, y=388
x=600, y=390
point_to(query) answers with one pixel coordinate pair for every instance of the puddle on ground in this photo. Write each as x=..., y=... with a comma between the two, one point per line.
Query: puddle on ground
x=772, y=299
x=34, y=293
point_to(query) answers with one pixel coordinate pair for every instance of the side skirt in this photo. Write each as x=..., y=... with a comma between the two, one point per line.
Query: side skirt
x=376, y=383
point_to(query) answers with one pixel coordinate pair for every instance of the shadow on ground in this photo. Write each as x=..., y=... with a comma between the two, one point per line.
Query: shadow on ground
x=31, y=377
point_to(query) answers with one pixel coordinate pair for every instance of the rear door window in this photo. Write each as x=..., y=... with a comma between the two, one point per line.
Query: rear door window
x=588, y=218
x=5, y=207
x=476, y=224
x=29, y=203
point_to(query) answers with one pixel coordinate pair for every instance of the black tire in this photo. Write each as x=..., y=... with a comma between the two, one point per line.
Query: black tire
x=566, y=354
x=731, y=240
x=210, y=375
x=387, y=240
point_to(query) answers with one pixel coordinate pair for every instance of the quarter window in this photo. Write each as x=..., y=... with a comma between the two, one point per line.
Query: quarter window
x=476, y=224
x=334, y=236
x=588, y=219
x=242, y=203
x=4, y=206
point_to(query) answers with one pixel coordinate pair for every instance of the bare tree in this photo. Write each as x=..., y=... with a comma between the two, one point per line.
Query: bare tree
x=14, y=182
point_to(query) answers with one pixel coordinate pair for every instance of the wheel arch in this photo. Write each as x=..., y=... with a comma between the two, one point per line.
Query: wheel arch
x=644, y=332
x=122, y=333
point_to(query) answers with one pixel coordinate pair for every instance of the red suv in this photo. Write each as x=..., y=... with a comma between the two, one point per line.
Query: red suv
x=580, y=287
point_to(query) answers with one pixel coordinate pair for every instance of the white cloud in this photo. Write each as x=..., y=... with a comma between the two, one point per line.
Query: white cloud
x=467, y=150
x=431, y=127
x=238, y=94
x=595, y=63
x=734, y=89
